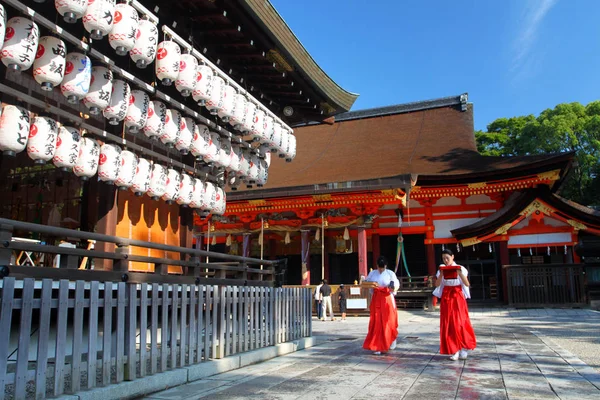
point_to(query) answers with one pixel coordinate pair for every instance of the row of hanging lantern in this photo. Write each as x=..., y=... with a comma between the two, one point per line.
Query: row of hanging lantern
x=48, y=141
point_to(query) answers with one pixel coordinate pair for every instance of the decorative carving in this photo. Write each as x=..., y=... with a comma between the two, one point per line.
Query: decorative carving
x=503, y=229
x=256, y=203
x=322, y=197
x=549, y=176
x=577, y=225
x=470, y=241
x=477, y=185
x=537, y=205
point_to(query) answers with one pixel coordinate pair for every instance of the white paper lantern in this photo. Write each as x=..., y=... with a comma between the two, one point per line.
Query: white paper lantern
x=234, y=165
x=186, y=190
x=141, y=180
x=197, y=199
x=137, y=112
x=248, y=120
x=168, y=57
x=186, y=134
x=263, y=172
x=172, y=127
x=214, y=94
x=99, y=17
x=78, y=73
x=220, y=202
x=186, y=80
x=14, y=129
x=67, y=148
x=71, y=10
x=213, y=148
x=155, y=124
x=244, y=164
x=258, y=127
x=172, y=186
x=240, y=107
x=109, y=162
x=275, y=136
x=20, y=43
x=99, y=94
x=2, y=25
x=204, y=75
x=124, y=29
x=158, y=182
x=227, y=102
x=87, y=161
x=49, y=64
x=209, y=196
x=268, y=126
x=291, y=150
x=253, y=170
x=41, y=144
x=127, y=170
x=146, y=41
x=119, y=102
x=224, y=158
x=200, y=140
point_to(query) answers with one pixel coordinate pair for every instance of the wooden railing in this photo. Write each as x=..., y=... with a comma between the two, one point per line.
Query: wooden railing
x=545, y=285
x=224, y=269
x=63, y=337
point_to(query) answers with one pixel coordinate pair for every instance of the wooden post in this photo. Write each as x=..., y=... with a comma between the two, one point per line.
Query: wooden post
x=362, y=251
x=5, y=238
x=376, y=247
x=504, y=260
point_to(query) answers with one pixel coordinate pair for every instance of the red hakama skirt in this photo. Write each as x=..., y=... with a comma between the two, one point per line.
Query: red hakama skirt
x=383, y=322
x=456, y=332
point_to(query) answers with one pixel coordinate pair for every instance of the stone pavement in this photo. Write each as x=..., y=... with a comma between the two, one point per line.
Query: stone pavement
x=518, y=357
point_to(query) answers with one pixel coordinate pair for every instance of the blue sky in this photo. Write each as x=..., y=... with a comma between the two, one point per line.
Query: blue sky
x=513, y=57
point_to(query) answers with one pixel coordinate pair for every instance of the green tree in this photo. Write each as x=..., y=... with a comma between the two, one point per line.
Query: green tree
x=566, y=127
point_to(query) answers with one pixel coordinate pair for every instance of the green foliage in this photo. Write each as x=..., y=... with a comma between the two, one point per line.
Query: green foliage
x=566, y=127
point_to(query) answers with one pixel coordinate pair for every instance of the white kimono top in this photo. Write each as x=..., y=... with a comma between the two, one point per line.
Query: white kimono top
x=452, y=282
x=384, y=279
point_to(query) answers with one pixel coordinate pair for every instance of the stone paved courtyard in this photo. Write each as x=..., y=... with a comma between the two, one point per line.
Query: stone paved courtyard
x=521, y=354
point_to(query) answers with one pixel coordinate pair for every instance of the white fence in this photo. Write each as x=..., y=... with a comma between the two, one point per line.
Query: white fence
x=63, y=337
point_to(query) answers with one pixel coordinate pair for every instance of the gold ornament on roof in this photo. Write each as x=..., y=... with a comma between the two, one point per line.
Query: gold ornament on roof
x=577, y=225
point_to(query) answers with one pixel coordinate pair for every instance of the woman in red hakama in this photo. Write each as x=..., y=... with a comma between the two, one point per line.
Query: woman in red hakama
x=383, y=321
x=456, y=332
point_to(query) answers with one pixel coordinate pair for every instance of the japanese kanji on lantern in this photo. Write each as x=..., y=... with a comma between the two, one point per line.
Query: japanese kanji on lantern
x=186, y=80
x=263, y=172
x=109, y=162
x=155, y=124
x=291, y=148
x=253, y=170
x=14, y=129
x=220, y=201
x=214, y=94
x=41, y=143
x=274, y=138
x=20, y=43
x=71, y=10
x=227, y=102
x=186, y=190
x=119, y=102
x=186, y=133
x=99, y=17
x=168, y=56
x=234, y=166
x=209, y=197
x=87, y=162
x=101, y=84
x=240, y=107
x=124, y=29
x=127, y=169
x=78, y=72
x=248, y=120
x=212, y=148
x=258, y=127
x=137, y=112
x=197, y=199
x=200, y=140
x=158, y=182
x=49, y=63
x=67, y=148
x=244, y=164
x=224, y=157
x=268, y=126
x=146, y=41
x=204, y=75
x=173, y=121
x=141, y=180
x=172, y=186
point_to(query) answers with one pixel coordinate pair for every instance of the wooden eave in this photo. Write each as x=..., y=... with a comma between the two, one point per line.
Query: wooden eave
x=520, y=205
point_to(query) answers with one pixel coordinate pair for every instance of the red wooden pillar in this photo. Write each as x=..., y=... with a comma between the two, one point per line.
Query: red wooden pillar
x=305, y=256
x=376, y=247
x=504, y=260
x=431, y=261
x=362, y=251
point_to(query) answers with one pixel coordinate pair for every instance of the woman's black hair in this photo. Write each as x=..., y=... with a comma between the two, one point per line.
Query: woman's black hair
x=447, y=251
x=382, y=262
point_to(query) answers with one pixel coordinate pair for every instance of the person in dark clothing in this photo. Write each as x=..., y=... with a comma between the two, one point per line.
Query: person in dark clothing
x=342, y=301
x=326, y=292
